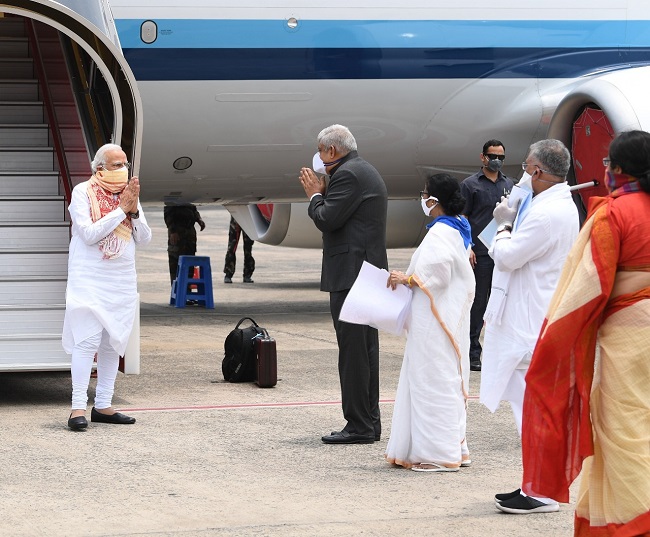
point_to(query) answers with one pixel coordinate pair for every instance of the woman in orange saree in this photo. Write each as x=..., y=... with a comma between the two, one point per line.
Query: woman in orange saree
x=587, y=391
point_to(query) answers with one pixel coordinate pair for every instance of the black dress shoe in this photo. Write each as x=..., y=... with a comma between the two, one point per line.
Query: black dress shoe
x=77, y=424
x=248, y=279
x=377, y=436
x=475, y=365
x=117, y=418
x=344, y=437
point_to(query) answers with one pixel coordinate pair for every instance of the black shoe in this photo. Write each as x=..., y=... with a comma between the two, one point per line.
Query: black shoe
x=524, y=505
x=191, y=302
x=117, y=418
x=227, y=279
x=507, y=495
x=248, y=279
x=344, y=437
x=377, y=436
x=475, y=365
x=77, y=424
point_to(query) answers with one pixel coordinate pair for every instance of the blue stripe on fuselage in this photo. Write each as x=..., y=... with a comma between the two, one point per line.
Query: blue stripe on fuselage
x=375, y=63
x=387, y=34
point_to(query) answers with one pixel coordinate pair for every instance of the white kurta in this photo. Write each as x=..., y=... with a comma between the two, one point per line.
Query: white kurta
x=429, y=418
x=101, y=293
x=534, y=257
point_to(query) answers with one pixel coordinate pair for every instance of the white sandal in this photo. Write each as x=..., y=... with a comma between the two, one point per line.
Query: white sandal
x=432, y=467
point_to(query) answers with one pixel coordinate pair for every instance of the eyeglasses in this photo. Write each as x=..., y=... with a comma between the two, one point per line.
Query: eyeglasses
x=426, y=196
x=117, y=165
x=606, y=161
x=524, y=166
x=492, y=156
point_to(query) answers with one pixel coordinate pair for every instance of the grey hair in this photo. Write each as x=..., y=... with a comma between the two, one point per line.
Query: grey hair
x=553, y=157
x=100, y=156
x=338, y=136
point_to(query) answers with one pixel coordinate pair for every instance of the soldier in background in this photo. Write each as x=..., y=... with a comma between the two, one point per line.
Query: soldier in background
x=181, y=233
x=249, y=263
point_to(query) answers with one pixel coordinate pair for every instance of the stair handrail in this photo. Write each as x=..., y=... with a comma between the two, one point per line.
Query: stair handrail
x=49, y=107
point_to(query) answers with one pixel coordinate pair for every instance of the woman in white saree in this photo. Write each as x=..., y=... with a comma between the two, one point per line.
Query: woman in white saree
x=429, y=418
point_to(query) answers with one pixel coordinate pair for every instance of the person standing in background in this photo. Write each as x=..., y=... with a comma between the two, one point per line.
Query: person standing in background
x=234, y=233
x=482, y=191
x=181, y=233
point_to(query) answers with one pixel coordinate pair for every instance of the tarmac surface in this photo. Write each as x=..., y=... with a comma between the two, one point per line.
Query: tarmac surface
x=207, y=457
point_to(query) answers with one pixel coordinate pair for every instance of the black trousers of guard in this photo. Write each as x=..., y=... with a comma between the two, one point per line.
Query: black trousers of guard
x=358, y=371
x=179, y=249
x=483, y=275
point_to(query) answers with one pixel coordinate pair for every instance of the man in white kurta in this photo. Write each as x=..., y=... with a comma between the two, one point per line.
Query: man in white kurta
x=528, y=261
x=101, y=294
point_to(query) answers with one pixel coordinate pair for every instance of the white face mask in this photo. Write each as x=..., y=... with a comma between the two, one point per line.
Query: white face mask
x=526, y=182
x=426, y=209
x=317, y=164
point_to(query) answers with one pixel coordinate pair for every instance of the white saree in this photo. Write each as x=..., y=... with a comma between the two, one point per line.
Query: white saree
x=429, y=419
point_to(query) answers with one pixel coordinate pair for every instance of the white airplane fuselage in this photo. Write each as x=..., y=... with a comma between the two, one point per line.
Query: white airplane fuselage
x=242, y=90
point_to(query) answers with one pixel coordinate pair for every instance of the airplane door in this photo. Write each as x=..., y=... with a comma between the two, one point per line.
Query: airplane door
x=592, y=134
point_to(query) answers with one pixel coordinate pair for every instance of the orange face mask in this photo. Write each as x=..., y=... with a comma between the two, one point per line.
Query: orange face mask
x=113, y=181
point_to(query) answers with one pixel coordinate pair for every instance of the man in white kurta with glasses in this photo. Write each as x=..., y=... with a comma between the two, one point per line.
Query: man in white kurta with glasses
x=101, y=296
x=528, y=260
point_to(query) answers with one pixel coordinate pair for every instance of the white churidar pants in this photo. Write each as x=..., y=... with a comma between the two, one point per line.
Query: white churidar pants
x=108, y=360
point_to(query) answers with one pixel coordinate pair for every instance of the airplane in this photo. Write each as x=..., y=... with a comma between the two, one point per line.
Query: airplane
x=218, y=101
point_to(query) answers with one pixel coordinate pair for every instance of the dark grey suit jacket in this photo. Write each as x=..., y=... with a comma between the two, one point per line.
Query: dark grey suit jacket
x=352, y=217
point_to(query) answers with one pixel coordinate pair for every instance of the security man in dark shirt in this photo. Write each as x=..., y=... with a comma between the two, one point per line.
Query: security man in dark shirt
x=181, y=233
x=482, y=191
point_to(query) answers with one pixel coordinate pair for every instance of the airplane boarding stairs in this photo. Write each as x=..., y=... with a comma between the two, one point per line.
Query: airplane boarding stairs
x=34, y=233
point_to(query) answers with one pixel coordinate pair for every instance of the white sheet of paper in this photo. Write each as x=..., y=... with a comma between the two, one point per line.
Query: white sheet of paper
x=489, y=232
x=371, y=302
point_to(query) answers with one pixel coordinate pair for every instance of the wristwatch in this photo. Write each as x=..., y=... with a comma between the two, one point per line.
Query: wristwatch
x=504, y=227
x=135, y=214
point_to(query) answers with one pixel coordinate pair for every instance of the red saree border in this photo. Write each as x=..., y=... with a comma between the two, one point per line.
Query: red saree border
x=637, y=527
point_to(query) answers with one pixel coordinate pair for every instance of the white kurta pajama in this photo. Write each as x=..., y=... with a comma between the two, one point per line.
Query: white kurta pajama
x=429, y=417
x=533, y=257
x=101, y=293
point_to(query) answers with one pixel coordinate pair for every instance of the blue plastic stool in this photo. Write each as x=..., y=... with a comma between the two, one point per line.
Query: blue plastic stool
x=181, y=291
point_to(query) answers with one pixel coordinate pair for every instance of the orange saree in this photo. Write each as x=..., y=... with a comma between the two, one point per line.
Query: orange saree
x=586, y=388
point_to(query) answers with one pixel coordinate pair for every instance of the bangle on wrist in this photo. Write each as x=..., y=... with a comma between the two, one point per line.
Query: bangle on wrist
x=408, y=282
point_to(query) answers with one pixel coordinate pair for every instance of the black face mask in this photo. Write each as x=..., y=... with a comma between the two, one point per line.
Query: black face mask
x=494, y=165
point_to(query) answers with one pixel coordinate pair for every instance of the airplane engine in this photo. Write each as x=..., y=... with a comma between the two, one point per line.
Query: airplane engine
x=288, y=224
x=590, y=116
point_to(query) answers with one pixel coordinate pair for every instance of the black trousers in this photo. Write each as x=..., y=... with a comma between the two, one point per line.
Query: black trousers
x=483, y=274
x=358, y=371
